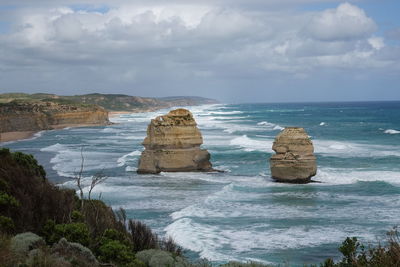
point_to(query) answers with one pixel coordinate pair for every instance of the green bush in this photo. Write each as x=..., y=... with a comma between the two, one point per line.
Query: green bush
x=116, y=252
x=355, y=254
x=6, y=224
x=77, y=216
x=8, y=201
x=23, y=243
x=30, y=162
x=4, y=186
x=73, y=232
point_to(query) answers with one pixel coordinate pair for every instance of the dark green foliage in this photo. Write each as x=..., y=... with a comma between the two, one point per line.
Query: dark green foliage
x=6, y=224
x=355, y=254
x=115, y=247
x=349, y=249
x=48, y=232
x=142, y=236
x=27, y=197
x=116, y=252
x=7, y=201
x=73, y=232
x=31, y=164
x=4, y=152
x=77, y=216
x=169, y=245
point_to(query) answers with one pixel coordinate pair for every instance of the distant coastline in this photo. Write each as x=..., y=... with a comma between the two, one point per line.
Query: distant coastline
x=23, y=115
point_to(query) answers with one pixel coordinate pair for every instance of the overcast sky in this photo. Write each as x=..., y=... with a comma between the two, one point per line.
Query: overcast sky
x=232, y=50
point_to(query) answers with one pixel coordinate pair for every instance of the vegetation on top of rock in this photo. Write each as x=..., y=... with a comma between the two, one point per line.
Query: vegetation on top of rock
x=113, y=102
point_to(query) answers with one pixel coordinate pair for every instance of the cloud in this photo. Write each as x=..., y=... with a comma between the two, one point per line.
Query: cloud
x=343, y=23
x=164, y=49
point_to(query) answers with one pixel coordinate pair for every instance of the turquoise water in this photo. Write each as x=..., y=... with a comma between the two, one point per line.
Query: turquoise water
x=242, y=214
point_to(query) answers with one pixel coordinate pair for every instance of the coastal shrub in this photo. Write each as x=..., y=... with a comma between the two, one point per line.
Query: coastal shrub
x=29, y=162
x=99, y=217
x=355, y=254
x=77, y=216
x=23, y=243
x=7, y=257
x=116, y=252
x=168, y=244
x=75, y=253
x=115, y=247
x=142, y=237
x=7, y=201
x=4, y=186
x=44, y=258
x=6, y=224
x=73, y=232
x=27, y=197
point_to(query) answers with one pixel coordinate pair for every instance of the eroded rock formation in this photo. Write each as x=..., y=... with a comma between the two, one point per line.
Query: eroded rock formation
x=294, y=161
x=173, y=145
x=40, y=115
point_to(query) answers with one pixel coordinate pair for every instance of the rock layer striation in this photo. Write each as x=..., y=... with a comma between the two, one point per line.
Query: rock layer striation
x=173, y=144
x=36, y=116
x=294, y=161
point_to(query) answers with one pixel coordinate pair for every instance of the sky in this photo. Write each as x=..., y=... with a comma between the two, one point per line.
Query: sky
x=230, y=50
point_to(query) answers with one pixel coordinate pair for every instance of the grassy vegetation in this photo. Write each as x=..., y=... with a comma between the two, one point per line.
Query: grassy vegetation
x=112, y=102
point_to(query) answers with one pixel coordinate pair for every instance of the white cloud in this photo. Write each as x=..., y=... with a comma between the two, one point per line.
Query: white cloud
x=376, y=42
x=180, y=45
x=343, y=23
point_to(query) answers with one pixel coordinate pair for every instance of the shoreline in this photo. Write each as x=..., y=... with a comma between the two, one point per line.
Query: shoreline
x=24, y=135
x=16, y=136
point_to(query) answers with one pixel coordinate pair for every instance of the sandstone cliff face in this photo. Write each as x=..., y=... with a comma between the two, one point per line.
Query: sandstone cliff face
x=37, y=116
x=294, y=161
x=173, y=144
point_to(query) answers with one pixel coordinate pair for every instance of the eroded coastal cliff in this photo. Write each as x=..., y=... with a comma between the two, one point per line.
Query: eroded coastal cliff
x=22, y=116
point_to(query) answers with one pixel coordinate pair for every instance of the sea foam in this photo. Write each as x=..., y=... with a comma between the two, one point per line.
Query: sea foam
x=391, y=131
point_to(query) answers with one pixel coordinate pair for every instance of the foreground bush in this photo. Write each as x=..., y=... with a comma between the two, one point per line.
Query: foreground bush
x=29, y=203
x=355, y=254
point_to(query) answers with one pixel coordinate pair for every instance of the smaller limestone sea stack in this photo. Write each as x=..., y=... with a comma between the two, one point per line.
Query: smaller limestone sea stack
x=294, y=161
x=173, y=145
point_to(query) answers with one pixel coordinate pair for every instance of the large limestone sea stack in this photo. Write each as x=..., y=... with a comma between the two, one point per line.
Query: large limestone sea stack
x=294, y=161
x=173, y=145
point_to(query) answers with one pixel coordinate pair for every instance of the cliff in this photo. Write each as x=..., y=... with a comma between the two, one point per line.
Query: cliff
x=113, y=102
x=294, y=161
x=173, y=144
x=19, y=116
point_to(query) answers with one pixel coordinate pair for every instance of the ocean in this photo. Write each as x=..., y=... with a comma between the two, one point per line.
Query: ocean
x=242, y=214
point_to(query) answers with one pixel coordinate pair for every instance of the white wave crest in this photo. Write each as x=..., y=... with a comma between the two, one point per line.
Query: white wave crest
x=351, y=149
x=130, y=169
x=391, y=131
x=122, y=160
x=252, y=144
x=345, y=176
x=270, y=125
